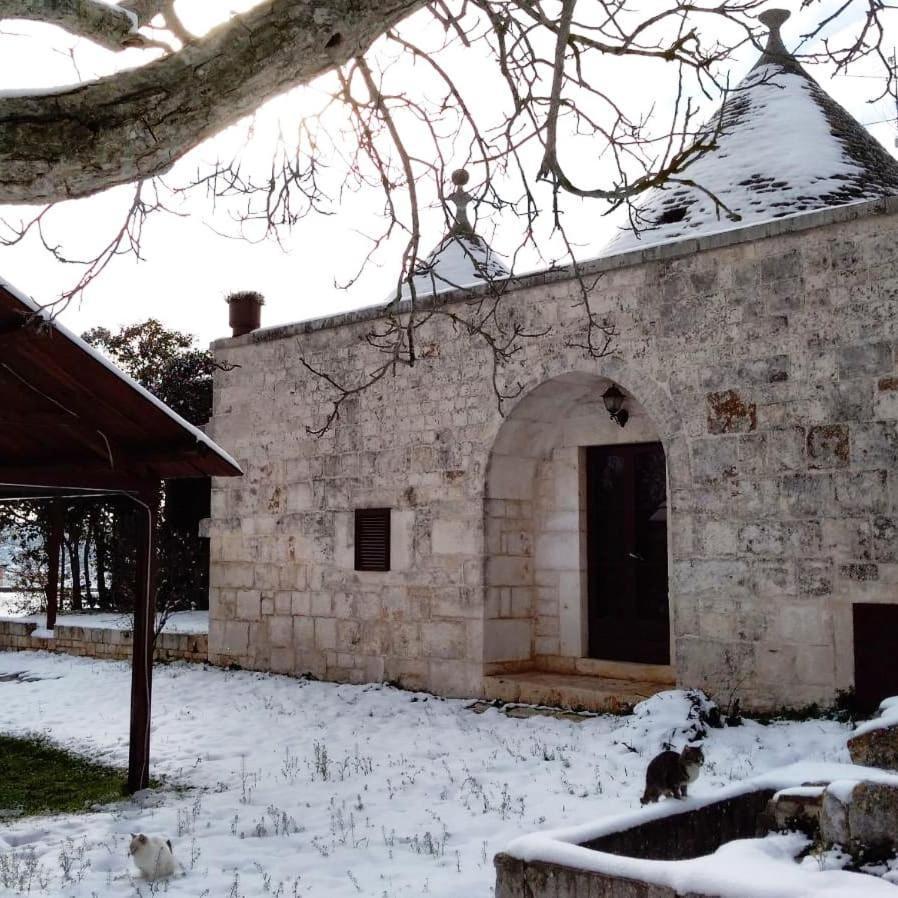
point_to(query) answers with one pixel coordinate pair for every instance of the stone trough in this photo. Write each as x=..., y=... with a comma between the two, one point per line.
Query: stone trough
x=738, y=842
x=670, y=831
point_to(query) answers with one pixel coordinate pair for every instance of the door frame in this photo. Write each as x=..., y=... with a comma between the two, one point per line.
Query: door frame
x=651, y=657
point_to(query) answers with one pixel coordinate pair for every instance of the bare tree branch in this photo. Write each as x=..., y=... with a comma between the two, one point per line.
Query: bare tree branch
x=112, y=27
x=70, y=143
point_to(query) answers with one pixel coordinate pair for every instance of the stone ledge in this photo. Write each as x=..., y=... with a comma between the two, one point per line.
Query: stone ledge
x=576, y=692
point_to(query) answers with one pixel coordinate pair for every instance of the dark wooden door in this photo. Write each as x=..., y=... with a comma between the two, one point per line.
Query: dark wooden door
x=875, y=653
x=627, y=553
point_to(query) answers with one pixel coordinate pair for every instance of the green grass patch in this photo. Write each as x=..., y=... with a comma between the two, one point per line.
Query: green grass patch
x=36, y=777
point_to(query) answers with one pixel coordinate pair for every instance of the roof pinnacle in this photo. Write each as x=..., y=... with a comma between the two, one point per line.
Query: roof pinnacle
x=775, y=50
x=460, y=198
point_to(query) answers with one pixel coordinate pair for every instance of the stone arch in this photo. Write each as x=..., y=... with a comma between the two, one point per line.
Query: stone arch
x=534, y=508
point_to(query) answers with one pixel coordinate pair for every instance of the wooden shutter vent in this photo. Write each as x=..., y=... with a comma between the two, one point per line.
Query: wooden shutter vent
x=372, y=539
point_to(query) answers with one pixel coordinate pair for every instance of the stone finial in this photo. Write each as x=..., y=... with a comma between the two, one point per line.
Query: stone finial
x=774, y=19
x=460, y=198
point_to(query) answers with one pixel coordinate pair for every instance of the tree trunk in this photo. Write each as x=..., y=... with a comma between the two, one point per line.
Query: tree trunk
x=62, y=572
x=126, y=127
x=86, y=568
x=100, y=550
x=73, y=546
x=54, y=540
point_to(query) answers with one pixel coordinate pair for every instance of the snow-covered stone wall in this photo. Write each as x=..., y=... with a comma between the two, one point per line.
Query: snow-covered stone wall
x=763, y=359
x=109, y=643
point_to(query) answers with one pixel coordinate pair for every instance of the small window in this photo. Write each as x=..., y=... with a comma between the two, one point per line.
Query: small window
x=372, y=539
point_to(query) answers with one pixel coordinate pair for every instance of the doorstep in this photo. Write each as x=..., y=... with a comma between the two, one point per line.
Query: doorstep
x=574, y=691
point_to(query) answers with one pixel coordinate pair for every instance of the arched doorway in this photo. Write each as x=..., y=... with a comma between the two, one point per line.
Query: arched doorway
x=576, y=525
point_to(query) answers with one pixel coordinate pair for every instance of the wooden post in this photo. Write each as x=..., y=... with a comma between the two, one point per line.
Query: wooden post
x=142, y=653
x=53, y=544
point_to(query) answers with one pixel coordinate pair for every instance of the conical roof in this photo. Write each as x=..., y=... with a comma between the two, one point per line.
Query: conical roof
x=785, y=147
x=462, y=258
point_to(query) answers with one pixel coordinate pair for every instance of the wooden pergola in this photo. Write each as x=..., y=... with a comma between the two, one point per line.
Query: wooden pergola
x=72, y=424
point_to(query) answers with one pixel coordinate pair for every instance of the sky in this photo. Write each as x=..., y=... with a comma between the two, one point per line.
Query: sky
x=191, y=260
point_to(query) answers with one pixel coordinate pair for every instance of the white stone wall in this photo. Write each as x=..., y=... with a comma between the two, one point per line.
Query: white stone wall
x=765, y=364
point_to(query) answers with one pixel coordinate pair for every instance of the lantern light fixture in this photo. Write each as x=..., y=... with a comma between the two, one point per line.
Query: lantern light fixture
x=614, y=401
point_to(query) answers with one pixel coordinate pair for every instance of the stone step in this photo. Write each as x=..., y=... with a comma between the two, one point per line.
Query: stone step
x=573, y=691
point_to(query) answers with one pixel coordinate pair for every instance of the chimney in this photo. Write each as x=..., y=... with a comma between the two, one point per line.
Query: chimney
x=244, y=312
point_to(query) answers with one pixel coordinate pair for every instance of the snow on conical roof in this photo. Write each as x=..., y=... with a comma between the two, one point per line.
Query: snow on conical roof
x=784, y=147
x=462, y=258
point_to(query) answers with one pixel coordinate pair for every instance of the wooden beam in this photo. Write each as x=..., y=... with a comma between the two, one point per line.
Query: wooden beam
x=144, y=637
x=54, y=542
x=71, y=476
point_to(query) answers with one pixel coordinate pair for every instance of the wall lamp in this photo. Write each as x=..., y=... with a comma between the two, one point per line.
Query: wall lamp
x=614, y=402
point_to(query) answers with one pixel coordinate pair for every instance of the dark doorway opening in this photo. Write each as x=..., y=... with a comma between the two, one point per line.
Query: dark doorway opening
x=875, y=651
x=626, y=519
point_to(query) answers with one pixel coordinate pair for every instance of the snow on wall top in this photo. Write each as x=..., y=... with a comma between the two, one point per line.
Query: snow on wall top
x=784, y=147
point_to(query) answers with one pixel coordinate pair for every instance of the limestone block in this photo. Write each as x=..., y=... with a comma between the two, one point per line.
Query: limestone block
x=374, y=670
x=325, y=633
x=885, y=401
x=406, y=672
x=730, y=411
x=248, y=605
x=443, y=639
x=874, y=816
x=300, y=604
x=403, y=640
x=456, y=679
x=235, y=639
x=786, y=449
x=322, y=604
x=558, y=551
x=511, y=478
x=876, y=748
x=507, y=640
x=233, y=574
x=864, y=492
x=828, y=446
x=798, y=808
x=402, y=538
x=280, y=630
x=455, y=537
x=862, y=818
x=866, y=358
x=715, y=458
x=282, y=660
x=504, y=570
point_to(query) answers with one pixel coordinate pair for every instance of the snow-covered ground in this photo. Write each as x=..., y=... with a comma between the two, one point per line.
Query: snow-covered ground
x=305, y=788
x=179, y=622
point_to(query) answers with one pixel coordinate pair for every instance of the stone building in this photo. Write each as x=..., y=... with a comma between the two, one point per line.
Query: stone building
x=737, y=533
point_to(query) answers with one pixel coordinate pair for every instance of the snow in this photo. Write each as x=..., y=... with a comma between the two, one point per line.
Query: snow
x=11, y=603
x=458, y=261
x=777, y=156
x=179, y=622
x=887, y=717
x=352, y=790
x=800, y=792
x=198, y=435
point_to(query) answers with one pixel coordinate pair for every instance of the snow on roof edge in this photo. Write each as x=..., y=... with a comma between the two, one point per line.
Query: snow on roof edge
x=121, y=375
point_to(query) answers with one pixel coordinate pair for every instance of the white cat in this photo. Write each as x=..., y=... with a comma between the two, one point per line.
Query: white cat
x=152, y=855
